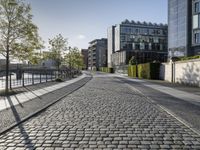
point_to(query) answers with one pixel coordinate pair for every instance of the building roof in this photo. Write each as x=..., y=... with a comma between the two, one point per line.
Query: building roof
x=132, y=22
x=95, y=40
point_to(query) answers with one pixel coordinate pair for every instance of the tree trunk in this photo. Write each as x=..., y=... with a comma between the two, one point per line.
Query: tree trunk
x=7, y=58
x=7, y=69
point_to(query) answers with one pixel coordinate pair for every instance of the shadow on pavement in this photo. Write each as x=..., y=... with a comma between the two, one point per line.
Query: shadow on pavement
x=29, y=90
x=27, y=141
x=20, y=104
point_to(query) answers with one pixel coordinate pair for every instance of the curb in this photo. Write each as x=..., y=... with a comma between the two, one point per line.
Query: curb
x=42, y=109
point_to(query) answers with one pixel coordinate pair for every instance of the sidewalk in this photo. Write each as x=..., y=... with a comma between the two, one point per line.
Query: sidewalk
x=187, y=93
x=28, y=95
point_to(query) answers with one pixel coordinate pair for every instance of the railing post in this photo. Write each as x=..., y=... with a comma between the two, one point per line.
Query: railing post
x=51, y=76
x=10, y=81
x=40, y=78
x=46, y=76
x=23, y=78
x=33, y=78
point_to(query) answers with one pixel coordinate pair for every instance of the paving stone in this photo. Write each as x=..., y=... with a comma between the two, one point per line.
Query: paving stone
x=104, y=114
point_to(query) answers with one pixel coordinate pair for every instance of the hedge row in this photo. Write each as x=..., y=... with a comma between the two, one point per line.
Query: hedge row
x=145, y=71
x=132, y=71
x=106, y=69
x=186, y=58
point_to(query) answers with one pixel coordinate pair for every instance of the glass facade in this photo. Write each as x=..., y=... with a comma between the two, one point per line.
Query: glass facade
x=178, y=27
x=196, y=23
x=196, y=6
x=142, y=37
x=197, y=38
x=146, y=40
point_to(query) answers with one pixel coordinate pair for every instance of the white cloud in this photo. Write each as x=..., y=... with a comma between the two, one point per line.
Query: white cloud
x=81, y=36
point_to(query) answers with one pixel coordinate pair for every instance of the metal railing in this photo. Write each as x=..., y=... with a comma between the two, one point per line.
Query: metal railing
x=30, y=76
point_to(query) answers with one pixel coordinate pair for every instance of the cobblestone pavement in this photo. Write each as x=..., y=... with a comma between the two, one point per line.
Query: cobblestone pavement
x=15, y=114
x=104, y=114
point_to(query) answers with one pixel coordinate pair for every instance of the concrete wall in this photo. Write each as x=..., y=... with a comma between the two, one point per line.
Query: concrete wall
x=186, y=72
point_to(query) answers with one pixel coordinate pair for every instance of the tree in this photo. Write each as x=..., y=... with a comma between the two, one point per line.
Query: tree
x=74, y=58
x=132, y=61
x=18, y=35
x=58, y=46
x=35, y=58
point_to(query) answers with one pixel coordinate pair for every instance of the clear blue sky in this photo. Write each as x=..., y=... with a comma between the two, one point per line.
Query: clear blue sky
x=84, y=20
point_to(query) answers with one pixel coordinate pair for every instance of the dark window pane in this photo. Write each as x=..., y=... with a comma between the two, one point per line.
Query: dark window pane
x=196, y=7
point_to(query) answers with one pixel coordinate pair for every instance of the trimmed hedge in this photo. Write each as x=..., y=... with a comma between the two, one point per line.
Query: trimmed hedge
x=132, y=71
x=145, y=71
x=186, y=58
x=106, y=69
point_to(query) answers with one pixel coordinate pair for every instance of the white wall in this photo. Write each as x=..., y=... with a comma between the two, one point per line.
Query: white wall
x=187, y=72
x=109, y=45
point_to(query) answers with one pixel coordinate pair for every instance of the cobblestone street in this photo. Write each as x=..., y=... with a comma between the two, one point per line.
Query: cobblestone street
x=104, y=114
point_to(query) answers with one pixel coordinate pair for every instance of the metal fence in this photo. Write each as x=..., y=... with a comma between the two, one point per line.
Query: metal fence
x=24, y=77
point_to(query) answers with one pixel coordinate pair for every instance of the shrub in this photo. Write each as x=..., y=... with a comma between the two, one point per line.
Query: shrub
x=59, y=80
x=107, y=69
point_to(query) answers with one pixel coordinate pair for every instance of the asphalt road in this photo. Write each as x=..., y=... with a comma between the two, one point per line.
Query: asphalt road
x=104, y=114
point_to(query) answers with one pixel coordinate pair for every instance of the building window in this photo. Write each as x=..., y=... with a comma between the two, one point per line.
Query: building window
x=133, y=45
x=164, y=32
x=197, y=38
x=150, y=46
x=123, y=38
x=137, y=46
x=195, y=21
x=146, y=46
x=196, y=7
x=155, y=40
x=161, y=47
x=137, y=31
x=142, y=46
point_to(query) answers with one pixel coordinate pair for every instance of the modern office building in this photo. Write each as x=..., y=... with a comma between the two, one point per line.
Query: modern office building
x=147, y=42
x=84, y=52
x=97, y=54
x=183, y=28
